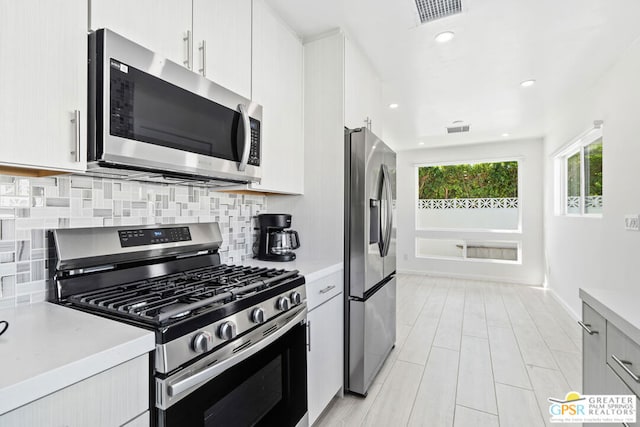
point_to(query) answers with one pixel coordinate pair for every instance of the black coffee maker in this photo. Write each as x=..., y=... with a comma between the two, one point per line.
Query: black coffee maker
x=274, y=242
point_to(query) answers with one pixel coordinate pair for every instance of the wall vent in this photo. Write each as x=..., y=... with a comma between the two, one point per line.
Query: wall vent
x=430, y=10
x=458, y=129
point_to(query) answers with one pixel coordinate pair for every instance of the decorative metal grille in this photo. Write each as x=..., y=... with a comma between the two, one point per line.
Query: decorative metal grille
x=590, y=202
x=479, y=203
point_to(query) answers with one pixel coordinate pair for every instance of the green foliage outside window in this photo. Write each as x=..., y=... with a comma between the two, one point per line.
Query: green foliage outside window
x=468, y=181
x=593, y=166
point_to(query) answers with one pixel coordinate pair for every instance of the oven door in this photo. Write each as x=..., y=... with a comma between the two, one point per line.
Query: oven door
x=153, y=114
x=257, y=380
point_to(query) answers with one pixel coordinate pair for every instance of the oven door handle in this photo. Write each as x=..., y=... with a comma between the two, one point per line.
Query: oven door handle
x=215, y=370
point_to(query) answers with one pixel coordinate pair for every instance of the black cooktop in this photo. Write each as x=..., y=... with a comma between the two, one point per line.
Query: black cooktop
x=178, y=303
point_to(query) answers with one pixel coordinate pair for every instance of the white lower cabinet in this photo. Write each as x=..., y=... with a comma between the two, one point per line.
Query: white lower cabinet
x=115, y=397
x=610, y=359
x=325, y=343
x=143, y=420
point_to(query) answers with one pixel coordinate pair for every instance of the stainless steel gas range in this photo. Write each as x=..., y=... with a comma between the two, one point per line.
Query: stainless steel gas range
x=230, y=340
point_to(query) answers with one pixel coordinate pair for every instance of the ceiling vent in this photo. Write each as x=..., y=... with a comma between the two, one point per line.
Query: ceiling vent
x=458, y=129
x=430, y=10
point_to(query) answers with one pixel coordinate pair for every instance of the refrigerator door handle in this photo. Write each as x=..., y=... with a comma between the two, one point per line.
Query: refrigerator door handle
x=374, y=221
x=389, y=214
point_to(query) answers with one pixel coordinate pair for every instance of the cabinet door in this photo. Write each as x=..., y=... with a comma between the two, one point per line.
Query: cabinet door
x=614, y=386
x=158, y=25
x=225, y=57
x=110, y=398
x=325, y=357
x=363, y=90
x=594, y=363
x=277, y=86
x=43, y=52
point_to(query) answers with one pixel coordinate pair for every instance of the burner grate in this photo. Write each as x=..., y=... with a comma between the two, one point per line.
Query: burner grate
x=165, y=299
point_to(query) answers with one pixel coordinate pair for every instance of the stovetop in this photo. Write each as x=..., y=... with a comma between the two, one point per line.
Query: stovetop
x=168, y=278
x=162, y=301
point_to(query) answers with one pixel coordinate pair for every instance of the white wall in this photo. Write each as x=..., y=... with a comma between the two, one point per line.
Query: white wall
x=529, y=155
x=584, y=252
x=487, y=218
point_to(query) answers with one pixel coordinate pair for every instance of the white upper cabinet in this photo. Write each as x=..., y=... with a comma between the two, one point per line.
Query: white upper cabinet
x=210, y=37
x=161, y=26
x=222, y=43
x=278, y=87
x=363, y=91
x=43, y=84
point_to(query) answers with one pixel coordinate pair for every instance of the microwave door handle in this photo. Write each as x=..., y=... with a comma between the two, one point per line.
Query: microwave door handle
x=247, y=138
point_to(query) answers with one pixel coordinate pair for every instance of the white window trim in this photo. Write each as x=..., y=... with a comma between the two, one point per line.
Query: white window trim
x=561, y=173
x=518, y=159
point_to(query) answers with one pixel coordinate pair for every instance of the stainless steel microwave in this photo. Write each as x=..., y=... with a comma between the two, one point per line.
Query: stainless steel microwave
x=151, y=119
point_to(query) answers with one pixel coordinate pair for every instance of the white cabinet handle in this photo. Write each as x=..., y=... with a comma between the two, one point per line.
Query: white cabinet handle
x=623, y=364
x=587, y=328
x=188, y=60
x=77, y=135
x=308, y=335
x=327, y=289
x=203, y=58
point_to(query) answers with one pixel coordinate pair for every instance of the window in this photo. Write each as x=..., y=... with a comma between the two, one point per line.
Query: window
x=477, y=196
x=456, y=201
x=580, y=177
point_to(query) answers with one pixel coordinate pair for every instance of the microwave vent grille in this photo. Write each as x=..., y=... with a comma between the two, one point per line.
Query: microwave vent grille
x=430, y=10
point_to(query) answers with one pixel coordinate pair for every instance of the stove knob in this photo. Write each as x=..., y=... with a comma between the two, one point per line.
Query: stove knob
x=202, y=342
x=227, y=331
x=257, y=315
x=295, y=298
x=283, y=303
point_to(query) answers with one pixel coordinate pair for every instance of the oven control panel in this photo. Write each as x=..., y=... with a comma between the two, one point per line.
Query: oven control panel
x=153, y=236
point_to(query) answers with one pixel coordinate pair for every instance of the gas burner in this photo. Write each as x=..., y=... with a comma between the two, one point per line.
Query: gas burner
x=173, y=307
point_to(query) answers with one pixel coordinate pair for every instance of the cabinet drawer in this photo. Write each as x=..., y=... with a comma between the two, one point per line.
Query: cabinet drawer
x=623, y=356
x=324, y=289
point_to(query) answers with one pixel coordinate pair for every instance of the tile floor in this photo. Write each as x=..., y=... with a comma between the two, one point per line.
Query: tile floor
x=469, y=353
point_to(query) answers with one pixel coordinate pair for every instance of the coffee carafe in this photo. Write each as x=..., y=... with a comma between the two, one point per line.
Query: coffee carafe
x=275, y=243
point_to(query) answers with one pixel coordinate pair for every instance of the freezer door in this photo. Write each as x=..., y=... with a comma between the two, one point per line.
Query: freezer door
x=372, y=335
x=389, y=260
x=364, y=194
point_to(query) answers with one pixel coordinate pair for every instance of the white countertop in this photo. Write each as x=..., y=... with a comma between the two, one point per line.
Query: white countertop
x=618, y=307
x=312, y=269
x=48, y=347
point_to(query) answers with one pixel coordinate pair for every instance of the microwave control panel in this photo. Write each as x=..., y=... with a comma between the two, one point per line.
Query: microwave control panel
x=254, y=153
x=152, y=236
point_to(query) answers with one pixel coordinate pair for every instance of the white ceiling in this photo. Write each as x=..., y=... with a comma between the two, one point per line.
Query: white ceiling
x=565, y=45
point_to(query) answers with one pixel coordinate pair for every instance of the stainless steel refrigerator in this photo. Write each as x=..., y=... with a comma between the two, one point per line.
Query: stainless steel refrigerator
x=370, y=257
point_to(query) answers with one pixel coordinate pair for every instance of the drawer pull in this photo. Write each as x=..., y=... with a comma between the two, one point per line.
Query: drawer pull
x=623, y=364
x=587, y=328
x=327, y=289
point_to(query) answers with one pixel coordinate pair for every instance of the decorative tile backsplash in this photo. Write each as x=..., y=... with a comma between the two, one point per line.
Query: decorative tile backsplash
x=29, y=207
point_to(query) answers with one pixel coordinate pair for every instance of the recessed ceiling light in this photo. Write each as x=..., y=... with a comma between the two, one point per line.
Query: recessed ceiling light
x=445, y=36
x=393, y=106
x=420, y=143
x=527, y=83
x=505, y=134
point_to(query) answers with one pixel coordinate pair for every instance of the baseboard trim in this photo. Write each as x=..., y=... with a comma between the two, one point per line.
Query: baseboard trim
x=478, y=277
x=564, y=305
